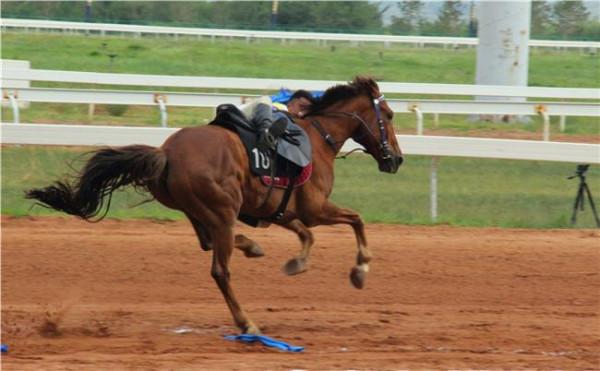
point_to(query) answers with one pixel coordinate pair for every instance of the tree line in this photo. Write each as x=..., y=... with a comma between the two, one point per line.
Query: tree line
x=566, y=19
x=561, y=19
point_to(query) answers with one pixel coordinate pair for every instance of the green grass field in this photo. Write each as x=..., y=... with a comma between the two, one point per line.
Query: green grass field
x=472, y=192
x=272, y=59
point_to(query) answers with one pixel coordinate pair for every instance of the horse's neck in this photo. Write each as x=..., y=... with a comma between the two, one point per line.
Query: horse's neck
x=339, y=125
x=338, y=128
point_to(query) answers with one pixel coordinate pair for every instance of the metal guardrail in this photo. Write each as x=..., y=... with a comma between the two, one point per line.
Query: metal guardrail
x=281, y=35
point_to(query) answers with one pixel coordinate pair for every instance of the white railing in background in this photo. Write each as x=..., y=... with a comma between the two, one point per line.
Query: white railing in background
x=191, y=99
x=163, y=99
x=90, y=135
x=435, y=146
x=103, y=28
x=14, y=76
x=240, y=83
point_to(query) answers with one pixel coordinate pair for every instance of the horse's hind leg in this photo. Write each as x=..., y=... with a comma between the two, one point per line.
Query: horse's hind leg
x=203, y=237
x=298, y=264
x=223, y=242
x=331, y=214
x=250, y=248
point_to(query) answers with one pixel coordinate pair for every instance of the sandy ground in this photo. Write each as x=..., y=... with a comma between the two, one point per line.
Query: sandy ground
x=110, y=296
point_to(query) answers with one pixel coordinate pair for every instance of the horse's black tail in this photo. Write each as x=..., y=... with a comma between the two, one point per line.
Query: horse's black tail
x=107, y=170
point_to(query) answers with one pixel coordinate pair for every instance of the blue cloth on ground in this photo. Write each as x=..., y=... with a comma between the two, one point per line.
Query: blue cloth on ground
x=4, y=348
x=270, y=342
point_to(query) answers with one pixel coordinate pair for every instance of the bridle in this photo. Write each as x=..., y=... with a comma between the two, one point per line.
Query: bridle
x=384, y=145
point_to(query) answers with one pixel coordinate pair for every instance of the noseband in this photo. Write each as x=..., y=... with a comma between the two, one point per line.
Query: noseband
x=383, y=145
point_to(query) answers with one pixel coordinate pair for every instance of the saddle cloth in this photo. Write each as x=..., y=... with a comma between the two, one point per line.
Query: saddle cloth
x=284, y=182
x=293, y=149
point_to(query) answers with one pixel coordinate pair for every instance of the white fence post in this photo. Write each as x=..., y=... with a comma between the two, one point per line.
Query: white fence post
x=433, y=199
x=8, y=82
x=436, y=120
x=415, y=108
x=563, y=123
x=15, y=107
x=161, y=100
x=542, y=111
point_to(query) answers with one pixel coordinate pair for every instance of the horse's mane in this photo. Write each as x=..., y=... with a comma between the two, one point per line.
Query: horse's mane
x=361, y=85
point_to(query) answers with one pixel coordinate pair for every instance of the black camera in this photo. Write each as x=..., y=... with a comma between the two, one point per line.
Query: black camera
x=581, y=169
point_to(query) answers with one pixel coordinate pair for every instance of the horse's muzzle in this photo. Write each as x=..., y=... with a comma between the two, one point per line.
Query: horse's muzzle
x=391, y=164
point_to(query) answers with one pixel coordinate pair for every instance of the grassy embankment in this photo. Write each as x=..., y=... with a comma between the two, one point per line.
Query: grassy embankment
x=472, y=192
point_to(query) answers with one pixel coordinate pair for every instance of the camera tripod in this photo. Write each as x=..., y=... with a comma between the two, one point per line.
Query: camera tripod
x=580, y=199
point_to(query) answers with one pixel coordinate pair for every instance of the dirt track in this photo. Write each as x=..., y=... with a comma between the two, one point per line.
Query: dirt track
x=110, y=295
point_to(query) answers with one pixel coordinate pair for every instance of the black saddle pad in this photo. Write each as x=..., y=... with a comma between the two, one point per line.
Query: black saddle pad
x=293, y=149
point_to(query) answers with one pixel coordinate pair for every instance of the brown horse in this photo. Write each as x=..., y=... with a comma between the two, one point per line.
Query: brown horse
x=204, y=172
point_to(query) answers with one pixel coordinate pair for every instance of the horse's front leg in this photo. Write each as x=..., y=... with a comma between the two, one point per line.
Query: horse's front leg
x=298, y=264
x=331, y=214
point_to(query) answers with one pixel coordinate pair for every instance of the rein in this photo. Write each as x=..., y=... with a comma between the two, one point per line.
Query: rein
x=384, y=144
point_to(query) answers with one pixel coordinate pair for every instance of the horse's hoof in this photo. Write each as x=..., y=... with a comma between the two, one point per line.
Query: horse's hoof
x=254, y=252
x=295, y=266
x=251, y=329
x=358, y=275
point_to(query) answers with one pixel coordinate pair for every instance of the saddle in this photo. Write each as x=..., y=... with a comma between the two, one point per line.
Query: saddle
x=293, y=150
x=289, y=167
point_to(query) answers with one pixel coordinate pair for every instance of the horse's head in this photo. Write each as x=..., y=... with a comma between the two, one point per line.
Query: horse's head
x=376, y=132
x=362, y=101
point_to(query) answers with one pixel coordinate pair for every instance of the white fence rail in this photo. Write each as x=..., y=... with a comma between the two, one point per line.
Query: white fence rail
x=190, y=99
x=142, y=98
x=275, y=84
x=88, y=135
x=417, y=106
x=14, y=77
x=103, y=28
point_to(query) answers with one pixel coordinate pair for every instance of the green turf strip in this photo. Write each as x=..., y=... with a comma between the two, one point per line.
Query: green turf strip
x=472, y=192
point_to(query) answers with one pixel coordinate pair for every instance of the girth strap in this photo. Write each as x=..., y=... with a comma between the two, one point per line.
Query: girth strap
x=284, y=201
x=278, y=214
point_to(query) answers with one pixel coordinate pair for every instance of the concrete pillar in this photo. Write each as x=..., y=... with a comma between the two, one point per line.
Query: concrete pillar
x=503, y=49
